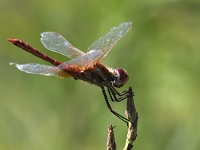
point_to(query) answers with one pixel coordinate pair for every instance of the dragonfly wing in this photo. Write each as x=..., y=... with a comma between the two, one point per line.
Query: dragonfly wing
x=86, y=60
x=57, y=43
x=40, y=69
x=106, y=42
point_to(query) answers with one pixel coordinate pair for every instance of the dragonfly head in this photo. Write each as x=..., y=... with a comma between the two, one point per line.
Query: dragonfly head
x=120, y=77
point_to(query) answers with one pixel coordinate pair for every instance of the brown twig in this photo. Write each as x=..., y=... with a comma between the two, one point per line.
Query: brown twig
x=132, y=115
x=111, y=145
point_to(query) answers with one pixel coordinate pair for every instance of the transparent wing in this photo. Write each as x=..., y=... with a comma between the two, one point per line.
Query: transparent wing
x=85, y=60
x=106, y=42
x=57, y=43
x=40, y=69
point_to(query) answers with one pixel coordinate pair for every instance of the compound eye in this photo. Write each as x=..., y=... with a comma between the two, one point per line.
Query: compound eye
x=121, y=77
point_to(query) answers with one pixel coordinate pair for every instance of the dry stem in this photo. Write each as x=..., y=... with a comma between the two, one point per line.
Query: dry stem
x=132, y=115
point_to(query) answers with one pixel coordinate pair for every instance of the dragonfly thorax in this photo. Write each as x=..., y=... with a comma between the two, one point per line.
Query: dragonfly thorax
x=120, y=77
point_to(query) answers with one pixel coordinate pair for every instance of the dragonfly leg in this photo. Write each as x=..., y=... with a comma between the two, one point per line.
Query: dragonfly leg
x=110, y=108
x=117, y=96
x=114, y=97
x=116, y=92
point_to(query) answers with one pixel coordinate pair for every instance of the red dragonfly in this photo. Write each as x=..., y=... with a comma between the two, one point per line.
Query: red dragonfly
x=82, y=66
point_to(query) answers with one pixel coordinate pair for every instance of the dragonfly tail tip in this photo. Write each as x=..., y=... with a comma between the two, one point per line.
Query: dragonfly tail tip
x=12, y=40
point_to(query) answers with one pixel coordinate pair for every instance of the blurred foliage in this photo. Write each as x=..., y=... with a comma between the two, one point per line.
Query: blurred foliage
x=161, y=54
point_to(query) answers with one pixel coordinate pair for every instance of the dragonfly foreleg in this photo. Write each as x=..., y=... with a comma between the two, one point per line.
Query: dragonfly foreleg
x=117, y=96
x=116, y=92
x=114, y=97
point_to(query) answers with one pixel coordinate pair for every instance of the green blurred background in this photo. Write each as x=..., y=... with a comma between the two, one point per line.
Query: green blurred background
x=161, y=54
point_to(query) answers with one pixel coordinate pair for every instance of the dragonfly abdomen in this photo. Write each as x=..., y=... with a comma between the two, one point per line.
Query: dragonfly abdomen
x=34, y=51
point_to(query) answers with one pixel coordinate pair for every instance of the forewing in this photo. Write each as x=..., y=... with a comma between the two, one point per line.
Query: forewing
x=57, y=43
x=85, y=60
x=40, y=69
x=106, y=42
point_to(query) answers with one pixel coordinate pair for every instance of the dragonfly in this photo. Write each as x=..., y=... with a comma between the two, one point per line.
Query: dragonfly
x=84, y=66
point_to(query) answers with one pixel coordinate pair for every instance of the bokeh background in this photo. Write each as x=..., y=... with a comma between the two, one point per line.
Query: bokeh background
x=161, y=54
